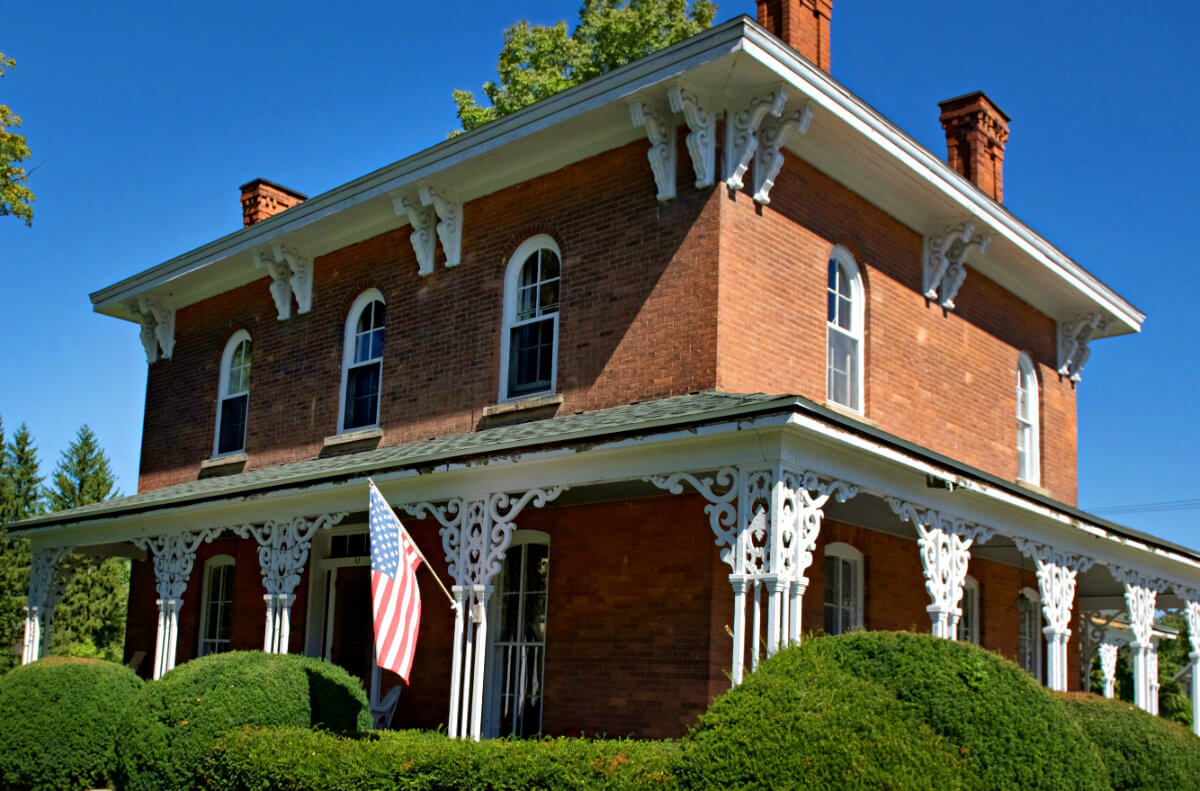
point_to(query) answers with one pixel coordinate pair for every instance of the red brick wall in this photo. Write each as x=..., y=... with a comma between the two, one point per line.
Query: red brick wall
x=638, y=321
x=946, y=381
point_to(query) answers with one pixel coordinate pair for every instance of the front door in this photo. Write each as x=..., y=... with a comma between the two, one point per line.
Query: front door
x=350, y=635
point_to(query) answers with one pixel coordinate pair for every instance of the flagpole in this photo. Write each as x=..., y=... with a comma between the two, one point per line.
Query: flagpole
x=420, y=554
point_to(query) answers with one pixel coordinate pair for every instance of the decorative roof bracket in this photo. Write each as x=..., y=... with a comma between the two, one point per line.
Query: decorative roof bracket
x=768, y=158
x=741, y=135
x=1073, y=338
x=660, y=129
x=291, y=275
x=449, y=228
x=702, y=140
x=946, y=261
x=158, y=327
x=422, y=238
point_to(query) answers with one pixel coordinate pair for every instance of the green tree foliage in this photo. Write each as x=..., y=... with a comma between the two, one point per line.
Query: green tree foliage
x=90, y=619
x=20, y=496
x=539, y=61
x=15, y=195
x=25, y=484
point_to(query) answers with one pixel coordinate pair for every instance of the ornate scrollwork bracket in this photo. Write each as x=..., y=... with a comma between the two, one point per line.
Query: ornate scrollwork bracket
x=946, y=261
x=1057, y=573
x=741, y=135
x=291, y=276
x=158, y=326
x=449, y=211
x=702, y=139
x=422, y=238
x=1141, y=599
x=660, y=130
x=1073, y=339
x=283, y=548
x=768, y=156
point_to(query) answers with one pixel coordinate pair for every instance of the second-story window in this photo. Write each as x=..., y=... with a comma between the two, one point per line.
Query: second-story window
x=1027, y=421
x=529, y=353
x=362, y=362
x=844, y=331
x=234, y=395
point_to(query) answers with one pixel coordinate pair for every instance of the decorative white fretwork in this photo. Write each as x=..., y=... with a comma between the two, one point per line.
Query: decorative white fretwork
x=768, y=156
x=283, y=548
x=945, y=543
x=158, y=326
x=1073, y=339
x=450, y=219
x=660, y=131
x=174, y=556
x=1108, y=664
x=291, y=276
x=702, y=139
x=766, y=523
x=422, y=238
x=1141, y=598
x=946, y=261
x=1057, y=573
x=1191, y=611
x=1093, y=631
x=741, y=135
x=475, y=536
x=45, y=584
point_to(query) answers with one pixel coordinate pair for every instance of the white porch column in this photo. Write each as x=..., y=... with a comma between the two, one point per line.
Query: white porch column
x=766, y=522
x=1108, y=665
x=1191, y=610
x=475, y=535
x=1141, y=597
x=43, y=593
x=945, y=543
x=174, y=557
x=1057, y=573
x=283, y=548
x=1152, y=683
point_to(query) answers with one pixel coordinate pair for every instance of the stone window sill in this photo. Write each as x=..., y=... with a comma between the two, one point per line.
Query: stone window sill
x=375, y=432
x=521, y=404
x=1033, y=487
x=850, y=413
x=228, y=460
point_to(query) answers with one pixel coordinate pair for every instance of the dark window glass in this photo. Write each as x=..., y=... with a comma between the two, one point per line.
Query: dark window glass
x=232, y=436
x=362, y=395
x=531, y=357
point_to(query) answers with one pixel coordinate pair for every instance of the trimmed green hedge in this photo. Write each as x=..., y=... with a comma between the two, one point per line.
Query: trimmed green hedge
x=293, y=759
x=1140, y=751
x=58, y=721
x=168, y=729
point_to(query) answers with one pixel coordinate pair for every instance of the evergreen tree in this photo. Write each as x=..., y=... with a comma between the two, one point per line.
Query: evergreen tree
x=90, y=618
x=19, y=497
x=24, y=482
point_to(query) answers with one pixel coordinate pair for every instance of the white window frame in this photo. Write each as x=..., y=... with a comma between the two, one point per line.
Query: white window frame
x=844, y=258
x=360, y=304
x=211, y=565
x=1035, y=606
x=1028, y=459
x=968, y=621
x=844, y=551
x=495, y=662
x=223, y=384
x=512, y=276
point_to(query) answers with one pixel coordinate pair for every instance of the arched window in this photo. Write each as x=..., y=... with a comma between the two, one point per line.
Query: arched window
x=529, y=345
x=843, y=588
x=1027, y=421
x=968, y=622
x=1029, y=632
x=216, y=605
x=844, y=331
x=518, y=613
x=233, y=395
x=362, y=362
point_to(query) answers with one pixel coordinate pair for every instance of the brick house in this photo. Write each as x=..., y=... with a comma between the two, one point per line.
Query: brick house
x=738, y=354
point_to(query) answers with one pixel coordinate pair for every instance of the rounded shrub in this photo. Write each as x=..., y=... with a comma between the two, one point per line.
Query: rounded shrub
x=1140, y=751
x=58, y=722
x=167, y=730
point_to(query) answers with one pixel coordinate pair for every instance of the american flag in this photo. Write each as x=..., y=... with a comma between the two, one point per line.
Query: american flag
x=395, y=597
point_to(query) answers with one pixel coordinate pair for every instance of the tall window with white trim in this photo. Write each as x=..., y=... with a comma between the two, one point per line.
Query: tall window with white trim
x=233, y=396
x=844, y=331
x=529, y=353
x=519, y=611
x=362, y=362
x=843, y=588
x=216, y=605
x=1027, y=421
x=968, y=622
x=1029, y=632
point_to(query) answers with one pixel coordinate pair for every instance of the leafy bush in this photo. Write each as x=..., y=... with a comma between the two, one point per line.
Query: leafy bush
x=167, y=730
x=886, y=709
x=58, y=722
x=294, y=759
x=1140, y=751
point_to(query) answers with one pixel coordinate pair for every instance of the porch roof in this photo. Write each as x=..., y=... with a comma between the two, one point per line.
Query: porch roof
x=646, y=417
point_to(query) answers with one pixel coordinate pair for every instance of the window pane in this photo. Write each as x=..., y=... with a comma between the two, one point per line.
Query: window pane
x=531, y=357
x=842, y=370
x=831, y=595
x=238, y=380
x=849, y=595
x=232, y=434
x=362, y=396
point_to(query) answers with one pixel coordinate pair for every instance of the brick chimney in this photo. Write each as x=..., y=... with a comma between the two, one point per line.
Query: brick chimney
x=801, y=24
x=976, y=131
x=262, y=198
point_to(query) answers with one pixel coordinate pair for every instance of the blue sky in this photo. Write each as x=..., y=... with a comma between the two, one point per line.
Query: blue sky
x=144, y=119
